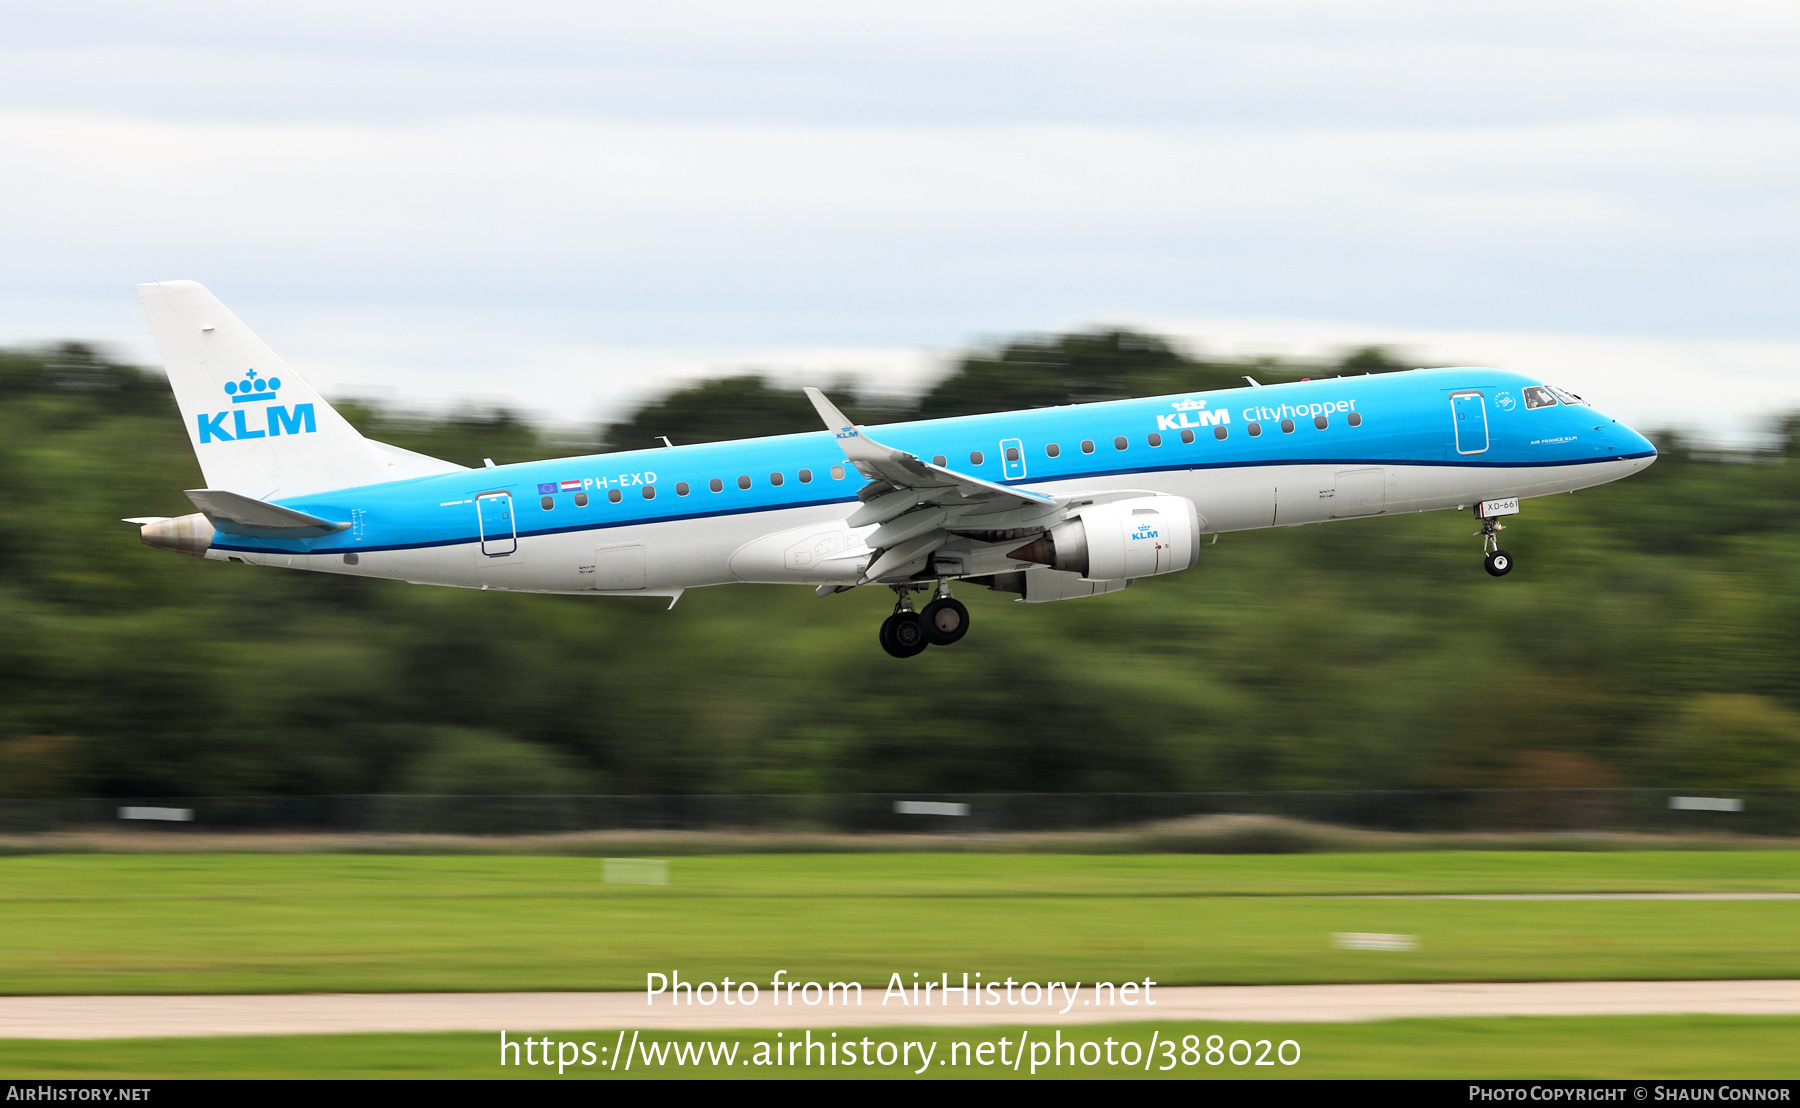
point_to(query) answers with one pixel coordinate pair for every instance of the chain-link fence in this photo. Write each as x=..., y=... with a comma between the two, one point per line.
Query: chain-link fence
x=1425, y=810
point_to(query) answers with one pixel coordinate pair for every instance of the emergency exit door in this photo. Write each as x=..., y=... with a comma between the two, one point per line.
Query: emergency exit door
x=1469, y=411
x=1012, y=459
x=499, y=535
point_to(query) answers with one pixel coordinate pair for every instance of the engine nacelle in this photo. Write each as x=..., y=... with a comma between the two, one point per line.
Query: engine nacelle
x=1121, y=540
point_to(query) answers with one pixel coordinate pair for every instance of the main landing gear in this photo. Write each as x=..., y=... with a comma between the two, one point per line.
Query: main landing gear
x=906, y=632
x=1496, y=561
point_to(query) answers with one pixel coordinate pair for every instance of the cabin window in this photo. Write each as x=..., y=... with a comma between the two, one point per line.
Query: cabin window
x=743, y=482
x=1321, y=422
x=1356, y=419
x=1154, y=439
x=1537, y=396
x=975, y=457
x=1255, y=430
x=1187, y=435
x=806, y=477
x=681, y=488
x=1120, y=443
x=649, y=492
x=548, y=502
x=1087, y=446
x=940, y=460
x=614, y=495
x=1012, y=453
x=1052, y=450
x=1220, y=432
x=837, y=473
x=581, y=500
x=775, y=478
x=1287, y=426
x=716, y=485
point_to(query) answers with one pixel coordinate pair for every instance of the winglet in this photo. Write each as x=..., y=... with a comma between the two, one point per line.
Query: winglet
x=834, y=419
x=859, y=448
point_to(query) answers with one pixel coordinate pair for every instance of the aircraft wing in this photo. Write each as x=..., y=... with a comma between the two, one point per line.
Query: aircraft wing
x=916, y=503
x=901, y=470
x=236, y=514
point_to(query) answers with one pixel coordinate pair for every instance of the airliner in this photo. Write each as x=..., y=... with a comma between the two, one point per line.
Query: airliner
x=1045, y=505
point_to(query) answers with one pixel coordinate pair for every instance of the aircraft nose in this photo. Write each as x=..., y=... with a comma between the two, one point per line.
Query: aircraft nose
x=1628, y=443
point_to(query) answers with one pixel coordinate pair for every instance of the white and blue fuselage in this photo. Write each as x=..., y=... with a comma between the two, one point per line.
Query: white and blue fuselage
x=536, y=526
x=808, y=508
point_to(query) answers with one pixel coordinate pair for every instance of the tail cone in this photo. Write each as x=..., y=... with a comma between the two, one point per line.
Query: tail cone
x=190, y=534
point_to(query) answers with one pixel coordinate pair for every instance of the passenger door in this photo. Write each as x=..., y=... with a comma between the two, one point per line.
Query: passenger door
x=1469, y=410
x=499, y=536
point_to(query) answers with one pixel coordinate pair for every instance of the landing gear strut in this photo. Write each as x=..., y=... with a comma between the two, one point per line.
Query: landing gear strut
x=906, y=632
x=945, y=619
x=1496, y=561
x=902, y=635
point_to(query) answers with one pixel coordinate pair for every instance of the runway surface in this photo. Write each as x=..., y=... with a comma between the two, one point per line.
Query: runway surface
x=1560, y=896
x=117, y=1017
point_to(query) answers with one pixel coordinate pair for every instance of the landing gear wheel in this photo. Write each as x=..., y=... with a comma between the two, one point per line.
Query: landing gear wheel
x=902, y=635
x=1499, y=563
x=945, y=621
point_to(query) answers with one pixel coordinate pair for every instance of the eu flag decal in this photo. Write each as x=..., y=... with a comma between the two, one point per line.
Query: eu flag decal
x=546, y=490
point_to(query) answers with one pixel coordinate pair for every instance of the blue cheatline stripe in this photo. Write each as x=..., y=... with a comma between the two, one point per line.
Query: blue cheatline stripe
x=639, y=521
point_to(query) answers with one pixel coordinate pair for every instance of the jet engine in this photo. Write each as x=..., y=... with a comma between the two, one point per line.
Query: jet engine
x=1120, y=540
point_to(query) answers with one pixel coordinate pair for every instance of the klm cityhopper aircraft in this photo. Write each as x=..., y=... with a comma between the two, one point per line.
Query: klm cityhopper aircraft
x=1049, y=504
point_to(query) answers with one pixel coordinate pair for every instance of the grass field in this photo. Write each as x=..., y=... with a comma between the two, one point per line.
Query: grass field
x=1634, y=1047
x=313, y=923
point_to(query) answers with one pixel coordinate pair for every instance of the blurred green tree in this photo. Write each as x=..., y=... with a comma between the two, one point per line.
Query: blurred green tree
x=1651, y=634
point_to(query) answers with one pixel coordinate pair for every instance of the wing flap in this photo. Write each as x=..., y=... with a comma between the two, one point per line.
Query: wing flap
x=916, y=503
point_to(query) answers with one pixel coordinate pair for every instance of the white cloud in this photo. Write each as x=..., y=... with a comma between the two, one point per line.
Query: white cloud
x=420, y=198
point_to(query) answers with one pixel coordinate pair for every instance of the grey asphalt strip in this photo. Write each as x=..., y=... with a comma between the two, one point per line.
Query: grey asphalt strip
x=115, y=1017
x=1567, y=896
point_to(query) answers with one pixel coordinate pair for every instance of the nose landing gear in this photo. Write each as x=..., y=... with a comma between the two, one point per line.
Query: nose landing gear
x=1496, y=561
x=906, y=632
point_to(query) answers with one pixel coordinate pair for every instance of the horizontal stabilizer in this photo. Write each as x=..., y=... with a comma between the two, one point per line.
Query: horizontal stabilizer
x=243, y=515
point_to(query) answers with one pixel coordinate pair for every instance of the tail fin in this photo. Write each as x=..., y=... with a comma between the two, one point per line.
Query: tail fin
x=256, y=426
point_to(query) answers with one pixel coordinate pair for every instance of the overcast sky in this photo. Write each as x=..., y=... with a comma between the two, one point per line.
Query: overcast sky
x=566, y=206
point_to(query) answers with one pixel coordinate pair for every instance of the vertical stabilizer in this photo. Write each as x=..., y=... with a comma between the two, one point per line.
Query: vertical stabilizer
x=256, y=426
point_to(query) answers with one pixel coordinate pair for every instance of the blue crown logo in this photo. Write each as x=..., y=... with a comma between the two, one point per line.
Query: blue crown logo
x=1188, y=405
x=254, y=386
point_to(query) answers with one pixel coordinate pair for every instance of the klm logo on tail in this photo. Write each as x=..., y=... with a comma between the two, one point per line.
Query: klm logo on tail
x=278, y=419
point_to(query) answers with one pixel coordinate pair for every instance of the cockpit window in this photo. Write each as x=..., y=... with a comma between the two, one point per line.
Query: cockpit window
x=1567, y=397
x=1537, y=396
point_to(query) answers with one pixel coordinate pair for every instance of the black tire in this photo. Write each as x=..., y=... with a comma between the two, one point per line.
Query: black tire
x=945, y=621
x=1499, y=563
x=902, y=635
